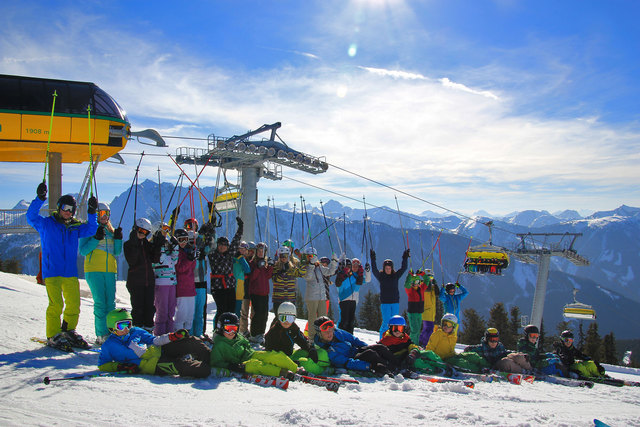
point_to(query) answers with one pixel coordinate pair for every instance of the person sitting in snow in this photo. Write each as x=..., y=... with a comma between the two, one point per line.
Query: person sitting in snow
x=407, y=353
x=347, y=351
x=285, y=333
x=234, y=352
x=133, y=349
x=545, y=363
x=574, y=362
x=444, y=337
x=497, y=356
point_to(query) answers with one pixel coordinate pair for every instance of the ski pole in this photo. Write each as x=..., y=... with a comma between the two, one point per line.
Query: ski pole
x=327, y=227
x=293, y=219
x=46, y=156
x=48, y=380
x=135, y=177
x=344, y=231
x=322, y=231
x=306, y=215
x=160, y=196
x=400, y=218
x=258, y=223
x=90, y=150
x=275, y=221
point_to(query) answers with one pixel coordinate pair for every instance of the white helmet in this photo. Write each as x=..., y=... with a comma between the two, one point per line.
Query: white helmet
x=143, y=223
x=283, y=250
x=310, y=251
x=287, y=308
x=449, y=317
x=158, y=226
x=103, y=206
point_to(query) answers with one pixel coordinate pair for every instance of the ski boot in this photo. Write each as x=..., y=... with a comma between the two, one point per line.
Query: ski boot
x=60, y=342
x=76, y=340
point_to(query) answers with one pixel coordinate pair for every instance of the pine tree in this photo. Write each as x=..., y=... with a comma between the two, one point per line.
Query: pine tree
x=301, y=308
x=609, y=343
x=472, y=327
x=593, y=343
x=370, y=316
x=514, y=313
x=581, y=337
x=499, y=319
x=563, y=326
x=544, y=342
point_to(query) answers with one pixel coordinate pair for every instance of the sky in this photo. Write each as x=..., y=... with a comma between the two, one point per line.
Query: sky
x=498, y=106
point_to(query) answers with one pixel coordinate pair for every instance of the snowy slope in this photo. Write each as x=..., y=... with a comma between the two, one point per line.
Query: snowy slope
x=139, y=400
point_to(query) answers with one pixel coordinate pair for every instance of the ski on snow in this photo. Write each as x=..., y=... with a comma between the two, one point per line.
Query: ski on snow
x=67, y=348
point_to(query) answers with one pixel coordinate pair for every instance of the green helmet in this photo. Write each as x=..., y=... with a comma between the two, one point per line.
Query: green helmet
x=288, y=243
x=116, y=316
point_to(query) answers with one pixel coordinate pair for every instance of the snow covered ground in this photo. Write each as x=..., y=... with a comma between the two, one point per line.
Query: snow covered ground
x=150, y=400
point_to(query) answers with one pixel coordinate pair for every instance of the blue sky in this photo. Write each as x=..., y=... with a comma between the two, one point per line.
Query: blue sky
x=472, y=105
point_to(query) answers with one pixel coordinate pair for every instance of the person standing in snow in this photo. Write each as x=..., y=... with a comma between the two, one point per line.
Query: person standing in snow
x=286, y=271
x=348, y=281
x=389, y=291
x=261, y=272
x=316, y=295
x=140, y=254
x=59, y=235
x=165, y=281
x=101, y=268
x=451, y=299
x=429, y=314
x=185, y=287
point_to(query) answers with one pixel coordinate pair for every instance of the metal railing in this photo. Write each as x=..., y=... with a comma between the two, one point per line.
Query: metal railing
x=14, y=221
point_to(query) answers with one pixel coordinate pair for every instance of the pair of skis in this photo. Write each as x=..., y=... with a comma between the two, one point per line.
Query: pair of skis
x=67, y=348
x=328, y=383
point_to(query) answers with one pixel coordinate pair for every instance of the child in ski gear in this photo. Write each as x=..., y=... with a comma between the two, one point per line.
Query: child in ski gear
x=165, y=281
x=452, y=300
x=430, y=303
x=240, y=270
x=140, y=254
x=101, y=268
x=204, y=239
x=498, y=357
x=348, y=282
x=133, y=349
x=233, y=351
x=316, y=294
x=444, y=337
x=261, y=272
x=285, y=272
x=389, y=293
x=186, y=287
x=285, y=333
x=347, y=351
x=59, y=234
x=573, y=360
x=415, y=287
x=223, y=282
x=245, y=305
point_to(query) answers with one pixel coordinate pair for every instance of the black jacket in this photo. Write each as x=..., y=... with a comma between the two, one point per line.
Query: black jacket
x=281, y=339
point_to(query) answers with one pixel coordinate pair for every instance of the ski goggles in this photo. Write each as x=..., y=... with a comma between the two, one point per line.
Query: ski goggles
x=66, y=208
x=567, y=339
x=103, y=213
x=494, y=339
x=123, y=324
x=183, y=239
x=289, y=318
x=230, y=329
x=143, y=231
x=534, y=336
x=446, y=324
x=397, y=328
x=165, y=228
x=328, y=325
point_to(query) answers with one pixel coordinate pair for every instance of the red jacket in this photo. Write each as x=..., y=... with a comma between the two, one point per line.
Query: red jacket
x=259, y=278
x=186, y=286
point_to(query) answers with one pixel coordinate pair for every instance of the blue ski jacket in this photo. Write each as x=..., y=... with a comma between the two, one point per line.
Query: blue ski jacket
x=59, y=241
x=342, y=349
x=452, y=303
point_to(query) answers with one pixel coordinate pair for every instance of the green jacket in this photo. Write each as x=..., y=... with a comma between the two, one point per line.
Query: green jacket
x=228, y=352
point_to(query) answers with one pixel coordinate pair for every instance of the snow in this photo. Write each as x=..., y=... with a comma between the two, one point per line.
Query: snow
x=145, y=400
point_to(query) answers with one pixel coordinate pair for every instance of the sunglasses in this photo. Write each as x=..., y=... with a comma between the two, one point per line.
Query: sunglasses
x=397, y=328
x=288, y=318
x=123, y=324
x=328, y=325
x=66, y=208
x=143, y=231
x=230, y=329
x=103, y=213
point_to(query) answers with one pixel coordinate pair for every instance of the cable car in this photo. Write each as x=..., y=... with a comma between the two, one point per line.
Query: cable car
x=25, y=120
x=578, y=310
x=486, y=259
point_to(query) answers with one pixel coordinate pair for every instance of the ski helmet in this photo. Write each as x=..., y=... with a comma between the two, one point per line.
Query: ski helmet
x=144, y=224
x=310, y=251
x=191, y=224
x=449, y=317
x=116, y=316
x=262, y=245
x=325, y=260
x=449, y=286
x=531, y=329
x=103, y=206
x=491, y=333
x=319, y=322
x=180, y=233
x=288, y=243
x=243, y=245
x=355, y=261
x=222, y=241
x=566, y=334
x=287, y=308
x=252, y=246
x=159, y=225
x=397, y=320
x=227, y=319
x=387, y=262
x=67, y=200
x=347, y=262
x=283, y=250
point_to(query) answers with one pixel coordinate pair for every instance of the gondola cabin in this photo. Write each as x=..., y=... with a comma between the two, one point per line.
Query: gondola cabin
x=25, y=119
x=486, y=259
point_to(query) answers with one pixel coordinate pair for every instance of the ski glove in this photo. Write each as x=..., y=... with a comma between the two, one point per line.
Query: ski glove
x=117, y=233
x=313, y=354
x=179, y=334
x=92, y=205
x=42, y=191
x=237, y=367
x=372, y=253
x=406, y=253
x=158, y=238
x=130, y=368
x=239, y=221
x=99, y=233
x=137, y=349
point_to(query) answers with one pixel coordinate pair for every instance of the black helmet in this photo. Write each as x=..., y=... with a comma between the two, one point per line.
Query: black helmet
x=531, y=329
x=227, y=319
x=566, y=334
x=387, y=262
x=67, y=200
x=180, y=232
x=319, y=322
x=222, y=241
x=449, y=286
